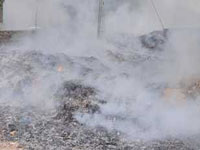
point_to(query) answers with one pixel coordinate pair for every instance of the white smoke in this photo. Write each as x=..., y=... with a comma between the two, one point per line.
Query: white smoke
x=27, y=14
x=135, y=77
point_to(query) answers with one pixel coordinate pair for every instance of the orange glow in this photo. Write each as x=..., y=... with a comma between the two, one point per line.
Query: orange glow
x=60, y=68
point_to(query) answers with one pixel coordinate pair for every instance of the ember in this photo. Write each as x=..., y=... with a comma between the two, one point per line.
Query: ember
x=60, y=68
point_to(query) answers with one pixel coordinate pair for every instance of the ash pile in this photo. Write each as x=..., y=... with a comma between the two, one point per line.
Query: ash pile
x=44, y=98
x=36, y=129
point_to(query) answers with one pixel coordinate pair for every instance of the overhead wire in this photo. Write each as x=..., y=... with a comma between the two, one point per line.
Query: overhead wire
x=157, y=14
x=100, y=13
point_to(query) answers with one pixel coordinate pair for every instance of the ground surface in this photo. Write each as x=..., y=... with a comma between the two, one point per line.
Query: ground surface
x=26, y=124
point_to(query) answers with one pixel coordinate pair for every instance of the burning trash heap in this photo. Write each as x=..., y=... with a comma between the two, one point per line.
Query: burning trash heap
x=49, y=102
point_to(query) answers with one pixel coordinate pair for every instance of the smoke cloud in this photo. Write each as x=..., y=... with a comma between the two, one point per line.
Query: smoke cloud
x=131, y=79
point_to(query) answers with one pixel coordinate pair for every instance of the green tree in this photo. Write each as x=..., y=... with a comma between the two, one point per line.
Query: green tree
x=1, y=11
x=1, y=4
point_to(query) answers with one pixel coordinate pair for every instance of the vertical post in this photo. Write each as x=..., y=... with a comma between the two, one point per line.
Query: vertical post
x=1, y=11
x=100, y=15
x=36, y=15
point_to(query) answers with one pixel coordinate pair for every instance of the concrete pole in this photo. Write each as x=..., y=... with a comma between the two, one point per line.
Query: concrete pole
x=100, y=17
x=36, y=14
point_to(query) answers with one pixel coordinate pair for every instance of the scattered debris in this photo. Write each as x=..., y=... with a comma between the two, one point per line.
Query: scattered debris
x=190, y=91
x=74, y=97
x=10, y=146
x=174, y=96
x=155, y=40
x=26, y=127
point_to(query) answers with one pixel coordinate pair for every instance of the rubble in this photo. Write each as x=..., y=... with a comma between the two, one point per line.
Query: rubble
x=34, y=129
x=74, y=97
x=10, y=146
x=40, y=130
x=189, y=90
x=155, y=40
x=25, y=126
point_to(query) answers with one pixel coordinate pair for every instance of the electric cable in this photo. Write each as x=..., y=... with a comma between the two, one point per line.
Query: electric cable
x=157, y=14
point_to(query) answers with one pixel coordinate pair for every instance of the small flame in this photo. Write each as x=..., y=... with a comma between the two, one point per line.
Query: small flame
x=60, y=68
